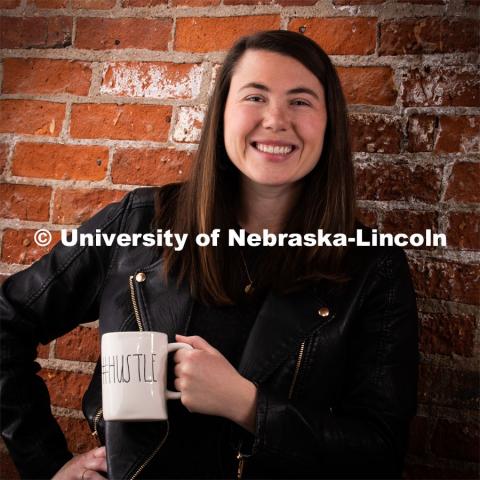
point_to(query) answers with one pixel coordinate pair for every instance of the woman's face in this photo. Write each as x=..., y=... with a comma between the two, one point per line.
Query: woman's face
x=275, y=119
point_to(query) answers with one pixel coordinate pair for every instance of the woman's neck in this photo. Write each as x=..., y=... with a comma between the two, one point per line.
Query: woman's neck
x=265, y=206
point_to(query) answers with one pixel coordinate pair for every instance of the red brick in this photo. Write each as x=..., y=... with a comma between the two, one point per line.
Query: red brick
x=243, y=2
x=76, y=206
x=202, y=34
x=417, y=438
x=428, y=35
x=339, y=35
x=375, y=133
x=8, y=471
x=196, y=3
x=300, y=3
x=9, y=4
x=387, y=181
x=115, y=33
x=41, y=75
x=463, y=183
x=31, y=117
x=60, y=162
x=458, y=134
x=447, y=334
x=66, y=388
x=441, y=86
x=421, y=131
x=43, y=351
x=424, y=2
x=163, y=80
x=18, y=246
x=35, y=32
x=3, y=156
x=368, y=85
x=78, y=435
x=81, y=344
x=445, y=387
x=464, y=230
x=121, y=122
x=143, y=3
x=358, y=2
x=283, y=3
x=456, y=440
x=367, y=217
x=135, y=166
x=94, y=4
x=446, y=280
x=26, y=202
x=406, y=221
x=49, y=3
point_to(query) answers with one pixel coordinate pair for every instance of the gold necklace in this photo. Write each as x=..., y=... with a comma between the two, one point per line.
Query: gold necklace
x=249, y=287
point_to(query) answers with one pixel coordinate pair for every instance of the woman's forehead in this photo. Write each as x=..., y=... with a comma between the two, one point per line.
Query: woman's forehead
x=273, y=70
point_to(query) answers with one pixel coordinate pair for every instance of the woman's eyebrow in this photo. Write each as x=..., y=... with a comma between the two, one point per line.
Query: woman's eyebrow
x=293, y=91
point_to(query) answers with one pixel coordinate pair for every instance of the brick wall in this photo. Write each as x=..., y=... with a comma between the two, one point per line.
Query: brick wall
x=99, y=96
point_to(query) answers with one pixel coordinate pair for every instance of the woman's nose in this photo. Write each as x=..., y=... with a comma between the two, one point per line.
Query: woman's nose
x=275, y=117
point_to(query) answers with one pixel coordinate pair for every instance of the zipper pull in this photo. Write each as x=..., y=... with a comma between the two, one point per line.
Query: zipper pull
x=241, y=461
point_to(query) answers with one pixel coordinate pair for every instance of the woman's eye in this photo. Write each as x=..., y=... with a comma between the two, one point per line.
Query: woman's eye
x=300, y=102
x=254, y=98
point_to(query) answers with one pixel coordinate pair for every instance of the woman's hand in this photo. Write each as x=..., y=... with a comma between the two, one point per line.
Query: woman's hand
x=84, y=467
x=210, y=384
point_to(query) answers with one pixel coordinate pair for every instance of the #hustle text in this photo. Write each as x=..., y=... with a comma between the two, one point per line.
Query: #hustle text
x=126, y=368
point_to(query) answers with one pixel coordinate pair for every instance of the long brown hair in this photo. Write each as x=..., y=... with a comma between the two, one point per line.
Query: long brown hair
x=210, y=198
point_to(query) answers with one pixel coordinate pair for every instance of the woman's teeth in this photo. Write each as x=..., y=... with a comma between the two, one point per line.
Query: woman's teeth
x=277, y=150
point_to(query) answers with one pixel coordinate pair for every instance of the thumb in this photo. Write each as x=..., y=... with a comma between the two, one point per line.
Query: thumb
x=196, y=342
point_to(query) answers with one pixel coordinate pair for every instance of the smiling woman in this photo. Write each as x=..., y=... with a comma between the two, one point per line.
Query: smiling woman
x=304, y=358
x=274, y=121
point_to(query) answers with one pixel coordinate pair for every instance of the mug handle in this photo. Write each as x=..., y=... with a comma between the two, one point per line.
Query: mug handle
x=173, y=347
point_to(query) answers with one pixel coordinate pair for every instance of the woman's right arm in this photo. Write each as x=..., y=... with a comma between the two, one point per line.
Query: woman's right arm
x=37, y=305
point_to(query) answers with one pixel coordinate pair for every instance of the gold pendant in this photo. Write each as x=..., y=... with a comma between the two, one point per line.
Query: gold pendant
x=248, y=288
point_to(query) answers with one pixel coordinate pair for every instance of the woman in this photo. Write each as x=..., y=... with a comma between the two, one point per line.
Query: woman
x=305, y=358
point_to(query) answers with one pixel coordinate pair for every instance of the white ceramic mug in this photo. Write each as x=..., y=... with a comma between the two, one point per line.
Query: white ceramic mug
x=134, y=375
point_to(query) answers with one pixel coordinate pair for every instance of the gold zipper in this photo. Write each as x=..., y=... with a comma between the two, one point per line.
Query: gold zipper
x=241, y=464
x=96, y=419
x=297, y=369
x=140, y=327
x=149, y=459
x=134, y=304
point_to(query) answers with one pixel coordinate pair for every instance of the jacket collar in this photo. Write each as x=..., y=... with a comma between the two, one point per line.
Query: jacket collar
x=282, y=324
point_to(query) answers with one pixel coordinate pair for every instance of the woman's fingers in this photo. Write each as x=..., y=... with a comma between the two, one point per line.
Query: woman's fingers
x=99, y=452
x=96, y=460
x=85, y=466
x=92, y=475
x=99, y=464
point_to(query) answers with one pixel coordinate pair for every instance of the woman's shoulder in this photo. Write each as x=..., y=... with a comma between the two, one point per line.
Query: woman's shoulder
x=142, y=201
x=148, y=196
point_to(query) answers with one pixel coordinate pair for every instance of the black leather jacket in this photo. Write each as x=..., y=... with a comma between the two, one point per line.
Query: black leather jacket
x=335, y=365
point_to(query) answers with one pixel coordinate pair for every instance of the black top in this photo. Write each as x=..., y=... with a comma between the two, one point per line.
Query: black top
x=206, y=438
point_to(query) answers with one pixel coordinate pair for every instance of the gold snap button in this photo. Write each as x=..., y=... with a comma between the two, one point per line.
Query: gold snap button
x=140, y=277
x=324, y=312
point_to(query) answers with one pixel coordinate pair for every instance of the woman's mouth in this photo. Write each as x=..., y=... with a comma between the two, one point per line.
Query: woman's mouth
x=273, y=149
